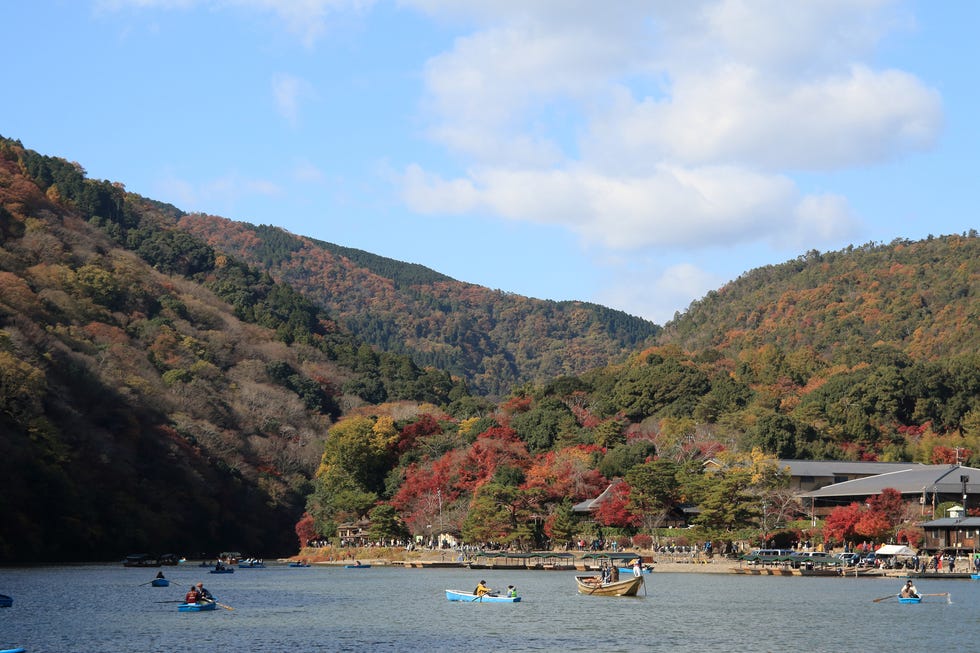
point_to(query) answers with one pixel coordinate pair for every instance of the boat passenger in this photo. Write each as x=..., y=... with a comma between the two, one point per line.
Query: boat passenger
x=637, y=567
x=192, y=596
x=204, y=593
x=909, y=591
x=482, y=588
x=159, y=574
x=613, y=574
x=511, y=591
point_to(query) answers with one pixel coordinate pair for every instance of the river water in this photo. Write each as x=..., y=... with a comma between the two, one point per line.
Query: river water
x=96, y=608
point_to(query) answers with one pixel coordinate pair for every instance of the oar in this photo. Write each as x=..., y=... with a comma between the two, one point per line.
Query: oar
x=890, y=596
x=177, y=601
x=937, y=594
x=226, y=607
x=479, y=596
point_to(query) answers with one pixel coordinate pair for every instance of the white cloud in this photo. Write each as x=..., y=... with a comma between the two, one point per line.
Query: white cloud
x=306, y=19
x=654, y=292
x=287, y=92
x=667, y=124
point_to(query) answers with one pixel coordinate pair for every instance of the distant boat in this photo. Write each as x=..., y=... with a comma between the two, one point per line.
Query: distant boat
x=251, y=564
x=299, y=564
x=592, y=585
x=141, y=560
x=6, y=601
x=222, y=570
x=197, y=607
x=357, y=566
x=470, y=597
x=160, y=582
x=12, y=650
x=629, y=570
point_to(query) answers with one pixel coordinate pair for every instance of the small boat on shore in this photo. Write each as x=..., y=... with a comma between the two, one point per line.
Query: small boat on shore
x=203, y=606
x=470, y=597
x=593, y=585
x=6, y=601
x=628, y=571
x=357, y=566
x=160, y=582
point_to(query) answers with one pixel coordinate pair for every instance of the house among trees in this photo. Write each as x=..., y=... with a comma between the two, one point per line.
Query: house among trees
x=809, y=475
x=926, y=485
x=354, y=533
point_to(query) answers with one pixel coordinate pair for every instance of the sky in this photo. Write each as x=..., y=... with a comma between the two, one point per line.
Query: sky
x=634, y=153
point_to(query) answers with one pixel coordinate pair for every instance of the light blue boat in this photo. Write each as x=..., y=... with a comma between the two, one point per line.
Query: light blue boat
x=197, y=607
x=470, y=597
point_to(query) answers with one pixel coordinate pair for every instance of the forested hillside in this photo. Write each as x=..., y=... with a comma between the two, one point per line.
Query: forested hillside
x=157, y=395
x=493, y=340
x=160, y=392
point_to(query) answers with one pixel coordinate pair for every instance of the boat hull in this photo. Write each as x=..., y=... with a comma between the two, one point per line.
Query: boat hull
x=910, y=599
x=226, y=570
x=470, y=597
x=357, y=566
x=197, y=607
x=6, y=601
x=628, y=571
x=591, y=586
x=160, y=582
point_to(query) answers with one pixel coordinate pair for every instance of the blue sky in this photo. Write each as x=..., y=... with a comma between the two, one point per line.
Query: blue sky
x=636, y=154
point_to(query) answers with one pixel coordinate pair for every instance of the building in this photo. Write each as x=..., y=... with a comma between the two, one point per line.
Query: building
x=926, y=485
x=809, y=475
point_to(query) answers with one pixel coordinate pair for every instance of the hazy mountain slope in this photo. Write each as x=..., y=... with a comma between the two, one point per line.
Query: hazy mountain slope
x=494, y=340
x=919, y=297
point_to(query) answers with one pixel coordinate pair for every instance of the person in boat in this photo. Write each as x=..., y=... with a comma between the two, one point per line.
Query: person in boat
x=637, y=567
x=482, y=588
x=511, y=592
x=159, y=574
x=192, y=596
x=218, y=566
x=909, y=591
x=203, y=592
x=613, y=573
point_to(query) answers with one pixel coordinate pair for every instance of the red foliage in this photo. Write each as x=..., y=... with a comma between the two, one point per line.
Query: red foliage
x=305, y=530
x=425, y=425
x=840, y=523
x=566, y=473
x=613, y=511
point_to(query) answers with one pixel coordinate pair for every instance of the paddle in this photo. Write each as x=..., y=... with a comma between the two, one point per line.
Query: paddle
x=226, y=607
x=890, y=596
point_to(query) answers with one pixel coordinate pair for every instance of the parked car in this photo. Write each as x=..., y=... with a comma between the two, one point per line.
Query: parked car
x=809, y=558
x=849, y=559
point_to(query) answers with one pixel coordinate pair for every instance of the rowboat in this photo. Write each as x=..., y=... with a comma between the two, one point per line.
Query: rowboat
x=251, y=564
x=470, y=597
x=628, y=571
x=975, y=576
x=594, y=585
x=12, y=650
x=197, y=607
x=910, y=599
x=6, y=601
x=223, y=570
x=299, y=564
x=357, y=566
x=160, y=582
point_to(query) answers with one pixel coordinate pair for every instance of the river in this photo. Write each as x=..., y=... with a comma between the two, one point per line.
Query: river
x=104, y=608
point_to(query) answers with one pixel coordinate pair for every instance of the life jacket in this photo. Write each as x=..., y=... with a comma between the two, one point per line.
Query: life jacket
x=192, y=596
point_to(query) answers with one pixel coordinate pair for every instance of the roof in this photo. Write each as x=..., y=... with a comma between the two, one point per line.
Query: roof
x=591, y=504
x=948, y=522
x=841, y=467
x=894, y=550
x=941, y=479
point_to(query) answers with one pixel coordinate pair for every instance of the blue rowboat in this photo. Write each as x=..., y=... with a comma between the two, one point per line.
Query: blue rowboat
x=470, y=597
x=160, y=582
x=910, y=599
x=628, y=571
x=299, y=564
x=223, y=570
x=975, y=576
x=6, y=601
x=12, y=650
x=197, y=607
x=357, y=566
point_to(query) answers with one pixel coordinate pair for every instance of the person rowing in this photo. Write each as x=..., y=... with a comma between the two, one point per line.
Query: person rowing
x=909, y=591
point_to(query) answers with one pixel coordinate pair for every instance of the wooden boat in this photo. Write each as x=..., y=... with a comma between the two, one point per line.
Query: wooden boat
x=160, y=582
x=6, y=601
x=203, y=606
x=593, y=585
x=470, y=597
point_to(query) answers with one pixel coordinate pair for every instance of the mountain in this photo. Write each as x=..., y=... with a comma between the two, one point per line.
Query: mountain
x=918, y=297
x=492, y=339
